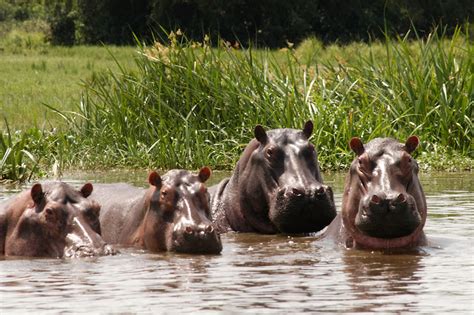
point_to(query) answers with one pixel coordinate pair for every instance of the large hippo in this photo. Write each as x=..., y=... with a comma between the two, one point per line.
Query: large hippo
x=383, y=205
x=172, y=215
x=276, y=187
x=51, y=220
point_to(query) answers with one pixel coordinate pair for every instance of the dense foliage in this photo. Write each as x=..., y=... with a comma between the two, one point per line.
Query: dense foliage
x=270, y=23
x=189, y=105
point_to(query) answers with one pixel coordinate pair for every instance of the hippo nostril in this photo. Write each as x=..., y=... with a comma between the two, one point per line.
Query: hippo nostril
x=400, y=198
x=209, y=229
x=188, y=230
x=320, y=190
x=297, y=192
x=375, y=199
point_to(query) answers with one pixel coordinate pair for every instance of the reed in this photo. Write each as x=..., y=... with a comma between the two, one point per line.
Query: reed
x=188, y=104
x=17, y=163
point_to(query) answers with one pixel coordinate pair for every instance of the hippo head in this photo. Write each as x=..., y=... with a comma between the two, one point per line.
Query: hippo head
x=178, y=218
x=281, y=183
x=384, y=205
x=59, y=222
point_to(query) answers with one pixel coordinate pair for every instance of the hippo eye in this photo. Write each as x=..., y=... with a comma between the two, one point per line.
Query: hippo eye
x=164, y=193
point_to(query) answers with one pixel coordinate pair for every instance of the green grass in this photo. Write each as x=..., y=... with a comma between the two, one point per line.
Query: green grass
x=186, y=105
x=31, y=77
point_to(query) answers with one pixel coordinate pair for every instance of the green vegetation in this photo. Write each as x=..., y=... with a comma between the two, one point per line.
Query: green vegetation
x=186, y=104
x=263, y=23
x=43, y=74
x=16, y=162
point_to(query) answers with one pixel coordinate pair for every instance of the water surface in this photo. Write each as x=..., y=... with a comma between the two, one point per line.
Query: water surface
x=261, y=273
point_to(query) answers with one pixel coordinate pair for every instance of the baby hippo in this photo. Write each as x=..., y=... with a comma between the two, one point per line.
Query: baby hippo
x=51, y=220
x=383, y=205
x=172, y=215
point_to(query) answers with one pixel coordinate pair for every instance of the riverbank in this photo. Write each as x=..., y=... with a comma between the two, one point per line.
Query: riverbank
x=185, y=104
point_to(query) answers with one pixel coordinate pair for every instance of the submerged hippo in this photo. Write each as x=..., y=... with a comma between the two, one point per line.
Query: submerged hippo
x=172, y=215
x=383, y=205
x=51, y=220
x=276, y=187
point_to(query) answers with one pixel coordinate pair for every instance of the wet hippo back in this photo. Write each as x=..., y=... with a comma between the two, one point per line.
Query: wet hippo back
x=118, y=204
x=172, y=215
x=276, y=187
x=383, y=204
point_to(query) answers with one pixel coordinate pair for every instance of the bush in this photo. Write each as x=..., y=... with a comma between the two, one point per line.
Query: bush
x=6, y=11
x=63, y=29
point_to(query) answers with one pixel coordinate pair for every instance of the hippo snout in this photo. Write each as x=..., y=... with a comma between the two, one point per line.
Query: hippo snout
x=201, y=231
x=202, y=239
x=312, y=191
x=388, y=216
x=380, y=203
x=302, y=210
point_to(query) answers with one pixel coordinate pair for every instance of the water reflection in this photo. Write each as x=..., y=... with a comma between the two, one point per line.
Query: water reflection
x=264, y=273
x=375, y=277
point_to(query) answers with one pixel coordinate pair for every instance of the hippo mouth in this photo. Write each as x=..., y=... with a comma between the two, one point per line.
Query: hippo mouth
x=77, y=248
x=388, y=218
x=385, y=224
x=192, y=241
x=303, y=213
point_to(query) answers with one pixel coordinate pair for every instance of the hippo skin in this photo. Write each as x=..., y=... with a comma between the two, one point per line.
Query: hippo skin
x=172, y=215
x=383, y=205
x=276, y=187
x=52, y=219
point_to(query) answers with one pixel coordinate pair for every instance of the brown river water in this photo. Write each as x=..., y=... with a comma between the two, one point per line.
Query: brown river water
x=263, y=273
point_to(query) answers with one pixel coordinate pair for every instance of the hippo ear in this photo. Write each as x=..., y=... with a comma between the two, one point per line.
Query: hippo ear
x=308, y=129
x=204, y=174
x=260, y=134
x=357, y=146
x=154, y=179
x=86, y=190
x=412, y=143
x=37, y=193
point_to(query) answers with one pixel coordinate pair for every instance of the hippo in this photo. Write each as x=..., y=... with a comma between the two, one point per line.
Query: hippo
x=383, y=205
x=52, y=220
x=171, y=215
x=276, y=187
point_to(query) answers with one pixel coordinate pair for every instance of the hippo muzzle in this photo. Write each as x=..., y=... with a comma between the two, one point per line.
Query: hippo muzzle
x=82, y=241
x=302, y=210
x=387, y=217
x=196, y=239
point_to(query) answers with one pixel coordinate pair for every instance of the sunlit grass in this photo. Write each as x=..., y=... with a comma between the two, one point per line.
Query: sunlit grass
x=188, y=104
x=185, y=104
x=52, y=75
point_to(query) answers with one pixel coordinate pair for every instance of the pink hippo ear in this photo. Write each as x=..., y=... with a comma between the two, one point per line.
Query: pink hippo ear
x=308, y=129
x=204, y=174
x=357, y=146
x=412, y=144
x=37, y=193
x=86, y=190
x=154, y=179
x=260, y=134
